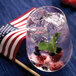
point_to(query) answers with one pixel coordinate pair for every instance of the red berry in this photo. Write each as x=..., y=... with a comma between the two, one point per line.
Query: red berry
x=73, y=3
x=38, y=65
x=41, y=58
x=65, y=2
x=56, y=66
x=69, y=2
x=57, y=57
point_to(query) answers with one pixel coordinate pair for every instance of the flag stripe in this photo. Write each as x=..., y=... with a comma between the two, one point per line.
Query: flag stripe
x=21, y=21
x=10, y=40
x=19, y=24
x=15, y=44
x=5, y=39
x=17, y=47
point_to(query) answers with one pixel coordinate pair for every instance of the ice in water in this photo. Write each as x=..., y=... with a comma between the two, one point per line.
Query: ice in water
x=44, y=23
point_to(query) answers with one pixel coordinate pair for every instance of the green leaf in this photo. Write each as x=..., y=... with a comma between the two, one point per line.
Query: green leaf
x=45, y=46
x=55, y=37
x=51, y=46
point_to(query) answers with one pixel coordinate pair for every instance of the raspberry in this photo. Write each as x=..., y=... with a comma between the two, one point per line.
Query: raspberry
x=56, y=66
x=38, y=65
x=57, y=56
x=41, y=58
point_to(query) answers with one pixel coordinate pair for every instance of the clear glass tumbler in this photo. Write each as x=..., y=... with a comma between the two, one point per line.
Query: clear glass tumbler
x=48, y=41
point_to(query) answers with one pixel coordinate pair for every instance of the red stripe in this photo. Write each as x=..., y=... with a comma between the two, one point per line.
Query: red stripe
x=12, y=44
x=22, y=15
x=20, y=21
x=3, y=49
x=17, y=47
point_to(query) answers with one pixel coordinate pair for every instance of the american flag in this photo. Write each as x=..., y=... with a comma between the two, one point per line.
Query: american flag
x=12, y=34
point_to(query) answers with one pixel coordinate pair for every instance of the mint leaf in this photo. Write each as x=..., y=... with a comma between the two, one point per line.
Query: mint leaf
x=45, y=46
x=51, y=46
x=55, y=37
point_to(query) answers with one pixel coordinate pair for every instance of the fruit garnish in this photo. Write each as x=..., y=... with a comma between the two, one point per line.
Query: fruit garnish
x=37, y=53
x=38, y=65
x=51, y=54
x=41, y=58
x=51, y=45
x=44, y=68
x=58, y=50
x=56, y=66
x=57, y=57
x=36, y=48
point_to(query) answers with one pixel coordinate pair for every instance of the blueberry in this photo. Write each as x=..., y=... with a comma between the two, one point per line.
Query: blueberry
x=44, y=68
x=37, y=53
x=36, y=48
x=51, y=54
x=58, y=50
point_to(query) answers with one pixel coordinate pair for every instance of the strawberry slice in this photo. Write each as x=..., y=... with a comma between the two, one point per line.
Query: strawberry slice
x=57, y=57
x=56, y=66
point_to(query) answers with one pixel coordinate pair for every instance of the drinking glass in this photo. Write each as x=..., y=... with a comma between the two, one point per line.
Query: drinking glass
x=48, y=42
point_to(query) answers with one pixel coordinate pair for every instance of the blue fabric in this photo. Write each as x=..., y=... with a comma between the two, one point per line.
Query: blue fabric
x=9, y=10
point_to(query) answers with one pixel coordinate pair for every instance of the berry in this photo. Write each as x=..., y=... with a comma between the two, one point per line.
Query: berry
x=38, y=65
x=37, y=53
x=36, y=48
x=56, y=66
x=41, y=58
x=58, y=50
x=51, y=54
x=57, y=57
x=66, y=2
x=44, y=68
x=69, y=2
x=73, y=3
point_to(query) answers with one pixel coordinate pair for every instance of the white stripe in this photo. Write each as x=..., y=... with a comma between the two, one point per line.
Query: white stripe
x=4, y=39
x=20, y=19
x=14, y=45
x=9, y=42
x=21, y=23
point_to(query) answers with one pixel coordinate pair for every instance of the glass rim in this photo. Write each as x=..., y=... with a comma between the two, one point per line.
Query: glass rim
x=43, y=7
